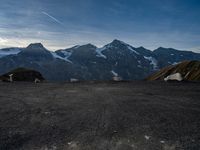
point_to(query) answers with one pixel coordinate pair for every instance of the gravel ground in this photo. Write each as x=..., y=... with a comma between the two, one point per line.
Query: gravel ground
x=134, y=115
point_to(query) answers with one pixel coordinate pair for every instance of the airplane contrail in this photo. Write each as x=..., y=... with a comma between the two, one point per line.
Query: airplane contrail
x=56, y=20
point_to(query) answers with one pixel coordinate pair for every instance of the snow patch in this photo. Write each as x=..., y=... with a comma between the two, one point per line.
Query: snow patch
x=67, y=55
x=77, y=46
x=99, y=52
x=73, y=145
x=114, y=73
x=175, y=63
x=162, y=142
x=153, y=62
x=74, y=80
x=147, y=137
x=130, y=48
x=176, y=76
x=108, y=46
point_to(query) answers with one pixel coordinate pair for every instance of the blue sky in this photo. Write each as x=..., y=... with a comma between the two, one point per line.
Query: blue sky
x=64, y=23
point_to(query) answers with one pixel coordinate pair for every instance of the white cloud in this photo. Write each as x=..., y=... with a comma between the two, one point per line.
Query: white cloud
x=195, y=49
x=59, y=40
x=3, y=41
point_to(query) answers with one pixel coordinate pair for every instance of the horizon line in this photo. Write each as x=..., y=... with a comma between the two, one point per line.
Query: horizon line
x=73, y=45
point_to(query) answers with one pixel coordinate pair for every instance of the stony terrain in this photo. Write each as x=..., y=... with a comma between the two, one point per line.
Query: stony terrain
x=100, y=116
x=189, y=70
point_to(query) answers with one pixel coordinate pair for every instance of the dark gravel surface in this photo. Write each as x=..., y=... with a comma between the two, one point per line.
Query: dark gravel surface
x=100, y=116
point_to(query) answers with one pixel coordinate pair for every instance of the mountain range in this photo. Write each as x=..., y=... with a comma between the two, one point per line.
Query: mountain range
x=88, y=62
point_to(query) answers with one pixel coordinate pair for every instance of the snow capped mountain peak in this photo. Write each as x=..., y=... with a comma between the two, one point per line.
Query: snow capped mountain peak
x=117, y=44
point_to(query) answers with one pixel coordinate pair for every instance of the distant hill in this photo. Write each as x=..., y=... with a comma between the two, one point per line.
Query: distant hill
x=168, y=56
x=22, y=74
x=189, y=70
x=88, y=62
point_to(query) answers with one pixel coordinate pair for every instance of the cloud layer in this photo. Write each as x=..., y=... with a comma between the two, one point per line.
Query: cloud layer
x=63, y=23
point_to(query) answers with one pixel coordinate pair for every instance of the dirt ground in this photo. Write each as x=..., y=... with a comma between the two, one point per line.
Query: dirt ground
x=135, y=115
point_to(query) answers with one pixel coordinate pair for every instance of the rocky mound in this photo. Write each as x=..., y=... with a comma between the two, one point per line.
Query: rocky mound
x=22, y=74
x=189, y=70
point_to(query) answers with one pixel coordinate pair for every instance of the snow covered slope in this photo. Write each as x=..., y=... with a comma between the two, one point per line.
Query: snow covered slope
x=9, y=51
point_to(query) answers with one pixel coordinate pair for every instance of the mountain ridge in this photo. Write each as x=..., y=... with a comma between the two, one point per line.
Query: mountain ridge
x=115, y=40
x=88, y=62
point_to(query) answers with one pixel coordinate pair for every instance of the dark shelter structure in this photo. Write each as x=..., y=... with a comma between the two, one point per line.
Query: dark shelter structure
x=22, y=74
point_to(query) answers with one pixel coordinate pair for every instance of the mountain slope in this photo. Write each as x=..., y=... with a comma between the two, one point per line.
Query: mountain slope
x=9, y=51
x=36, y=57
x=190, y=71
x=36, y=52
x=116, y=56
x=88, y=62
x=126, y=61
x=168, y=56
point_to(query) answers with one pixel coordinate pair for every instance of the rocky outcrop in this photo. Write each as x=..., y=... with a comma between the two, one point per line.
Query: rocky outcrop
x=188, y=70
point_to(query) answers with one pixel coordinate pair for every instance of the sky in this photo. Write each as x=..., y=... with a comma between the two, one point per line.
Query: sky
x=65, y=23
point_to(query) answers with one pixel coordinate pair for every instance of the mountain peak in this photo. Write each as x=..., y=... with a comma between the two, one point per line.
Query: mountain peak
x=36, y=51
x=141, y=47
x=35, y=46
x=163, y=49
x=116, y=41
x=89, y=45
